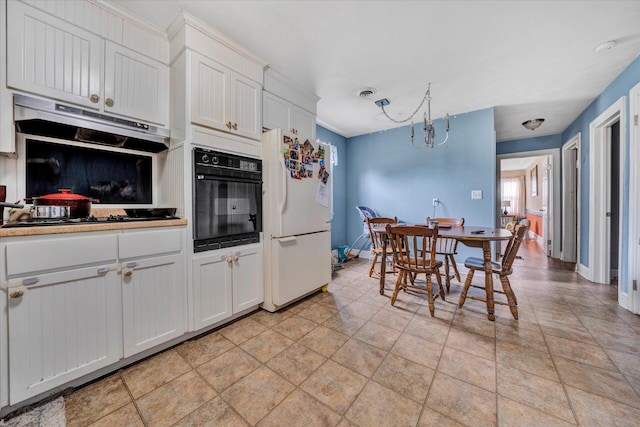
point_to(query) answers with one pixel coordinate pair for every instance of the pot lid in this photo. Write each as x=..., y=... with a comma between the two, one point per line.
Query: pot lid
x=64, y=194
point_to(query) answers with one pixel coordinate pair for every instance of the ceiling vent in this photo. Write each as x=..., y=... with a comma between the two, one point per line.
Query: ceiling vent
x=366, y=92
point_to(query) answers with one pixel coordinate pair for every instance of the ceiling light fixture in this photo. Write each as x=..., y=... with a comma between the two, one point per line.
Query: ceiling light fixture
x=605, y=46
x=429, y=129
x=532, y=124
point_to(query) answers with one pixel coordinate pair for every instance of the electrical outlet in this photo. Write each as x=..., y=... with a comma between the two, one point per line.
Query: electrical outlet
x=436, y=202
x=476, y=194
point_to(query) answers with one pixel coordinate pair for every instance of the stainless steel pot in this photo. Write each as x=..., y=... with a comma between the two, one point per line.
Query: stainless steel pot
x=79, y=206
x=50, y=212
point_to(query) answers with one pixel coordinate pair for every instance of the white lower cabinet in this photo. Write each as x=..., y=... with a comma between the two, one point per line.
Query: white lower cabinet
x=81, y=303
x=153, y=302
x=62, y=324
x=153, y=288
x=226, y=282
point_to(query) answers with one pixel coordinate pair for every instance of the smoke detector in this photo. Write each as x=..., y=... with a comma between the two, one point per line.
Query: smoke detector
x=367, y=92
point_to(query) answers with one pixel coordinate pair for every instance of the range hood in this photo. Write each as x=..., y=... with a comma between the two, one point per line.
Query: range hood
x=47, y=118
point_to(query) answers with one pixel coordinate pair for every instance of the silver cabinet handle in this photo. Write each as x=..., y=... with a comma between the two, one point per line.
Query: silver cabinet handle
x=94, y=98
x=103, y=270
x=223, y=257
x=30, y=281
x=132, y=264
x=109, y=102
x=16, y=293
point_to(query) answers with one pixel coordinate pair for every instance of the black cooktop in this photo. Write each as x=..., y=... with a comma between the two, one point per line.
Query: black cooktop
x=88, y=220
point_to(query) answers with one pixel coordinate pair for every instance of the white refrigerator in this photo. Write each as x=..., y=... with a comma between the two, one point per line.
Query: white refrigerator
x=297, y=214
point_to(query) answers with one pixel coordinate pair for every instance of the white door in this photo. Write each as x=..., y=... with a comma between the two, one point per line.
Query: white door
x=570, y=200
x=245, y=107
x=209, y=92
x=153, y=299
x=295, y=206
x=248, y=288
x=275, y=112
x=300, y=265
x=52, y=58
x=304, y=123
x=633, y=263
x=65, y=325
x=547, y=234
x=135, y=85
x=212, y=298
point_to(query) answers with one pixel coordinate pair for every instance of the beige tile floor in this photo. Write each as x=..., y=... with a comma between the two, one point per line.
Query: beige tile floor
x=346, y=357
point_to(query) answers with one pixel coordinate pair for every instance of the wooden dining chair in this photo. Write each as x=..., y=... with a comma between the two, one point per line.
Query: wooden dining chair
x=414, y=253
x=377, y=240
x=503, y=270
x=448, y=248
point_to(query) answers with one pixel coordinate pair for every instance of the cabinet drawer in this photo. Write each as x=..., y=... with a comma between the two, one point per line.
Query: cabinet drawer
x=147, y=243
x=60, y=253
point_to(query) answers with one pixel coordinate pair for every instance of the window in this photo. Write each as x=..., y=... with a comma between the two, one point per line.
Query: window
x=513, y=191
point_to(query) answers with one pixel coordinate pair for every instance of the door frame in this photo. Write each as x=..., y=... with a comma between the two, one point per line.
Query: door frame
x=634, y=200
x=554, y=190
x=599, y=169
x=571, y=144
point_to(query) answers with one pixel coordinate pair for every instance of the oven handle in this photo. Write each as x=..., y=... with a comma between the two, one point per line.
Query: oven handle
x=202, y=177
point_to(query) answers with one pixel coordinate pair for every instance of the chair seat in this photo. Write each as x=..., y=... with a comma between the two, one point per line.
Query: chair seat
x=478, y=264
x=421, y=262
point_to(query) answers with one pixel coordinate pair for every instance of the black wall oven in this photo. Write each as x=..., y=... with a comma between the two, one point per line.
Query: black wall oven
x=227, y=200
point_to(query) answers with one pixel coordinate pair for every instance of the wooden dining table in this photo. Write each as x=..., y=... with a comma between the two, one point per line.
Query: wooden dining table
x=475, y=237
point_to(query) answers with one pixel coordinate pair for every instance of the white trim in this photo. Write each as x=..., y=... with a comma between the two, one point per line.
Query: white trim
x=554, y=191
x=599, y=241
x=574, y=142
x=634, y=200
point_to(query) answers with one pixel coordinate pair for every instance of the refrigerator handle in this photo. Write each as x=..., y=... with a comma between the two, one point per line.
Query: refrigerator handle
x=283, y=203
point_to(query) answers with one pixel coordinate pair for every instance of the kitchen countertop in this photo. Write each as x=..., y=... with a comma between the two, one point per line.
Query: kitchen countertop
x=86, y=227
x=91, y=226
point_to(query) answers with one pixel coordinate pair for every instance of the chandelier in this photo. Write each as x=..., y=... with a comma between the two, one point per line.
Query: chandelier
x=429, y=129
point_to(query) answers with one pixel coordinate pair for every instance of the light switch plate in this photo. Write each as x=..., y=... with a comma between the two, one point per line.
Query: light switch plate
x=476, y=194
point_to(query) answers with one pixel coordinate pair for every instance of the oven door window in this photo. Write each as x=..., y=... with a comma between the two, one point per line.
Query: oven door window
x=227, y=208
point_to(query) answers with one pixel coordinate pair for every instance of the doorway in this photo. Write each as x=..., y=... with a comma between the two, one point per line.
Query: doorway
x=629, y=286
x=571, y=200
x=607, y=153
x=549, y=234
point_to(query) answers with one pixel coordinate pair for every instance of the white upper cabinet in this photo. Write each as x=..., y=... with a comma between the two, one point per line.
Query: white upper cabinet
x=223, y=99
x=135, y=85
x=288, y=107
x=282, y=114
x=55, y=59
x=50, y=57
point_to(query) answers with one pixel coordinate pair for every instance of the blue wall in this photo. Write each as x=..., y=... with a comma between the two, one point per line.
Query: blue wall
x=618, y=88
x=529, y=144
x=339, y=222
x=385, y=172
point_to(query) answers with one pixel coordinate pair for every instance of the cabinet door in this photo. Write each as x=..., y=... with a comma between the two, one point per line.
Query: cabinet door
x=275, y=112
x=153, y=301
x=52, y=58
x=248, y=288
x=212, y=299
x=246, y=107
x=209, y=93
x=304, y=123
x=135, y=85
x=65, y=325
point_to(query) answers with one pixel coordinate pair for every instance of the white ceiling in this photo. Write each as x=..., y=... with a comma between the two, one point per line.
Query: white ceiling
x=516, y=163
x=528, y=59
